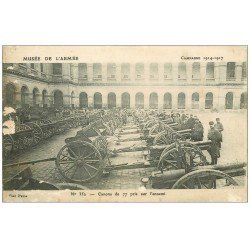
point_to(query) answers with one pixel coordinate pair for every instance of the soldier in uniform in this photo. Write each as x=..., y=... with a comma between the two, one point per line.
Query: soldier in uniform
x=190, y=122
x=218, y=126
x=215, y=136
x=197, y=131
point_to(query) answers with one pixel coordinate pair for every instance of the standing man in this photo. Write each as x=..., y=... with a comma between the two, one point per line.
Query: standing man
x=197, y=131
x=218, y=126
x=215, y=136
x=190, y=122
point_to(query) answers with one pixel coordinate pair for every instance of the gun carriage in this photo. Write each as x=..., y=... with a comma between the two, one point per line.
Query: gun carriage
x=177, y=162
x=33, y=132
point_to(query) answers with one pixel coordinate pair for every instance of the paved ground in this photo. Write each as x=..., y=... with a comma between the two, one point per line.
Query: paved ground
x=234, y=148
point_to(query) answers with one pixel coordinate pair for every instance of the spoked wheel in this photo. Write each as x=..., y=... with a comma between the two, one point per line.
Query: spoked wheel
x=149, y=124
x=169, y=158
x=79, y=162
x=38, y=132
x=162, y=138
x=101, y=144
x=8, y=144
x=22, y=127
x=157, y=128
x=205, y=179
x=108, y=129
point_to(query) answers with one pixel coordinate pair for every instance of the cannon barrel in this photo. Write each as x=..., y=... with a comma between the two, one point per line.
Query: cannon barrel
x=172, y=124
x=168, y=178
x=184, y=131
x=203, y=145
x=130, y=132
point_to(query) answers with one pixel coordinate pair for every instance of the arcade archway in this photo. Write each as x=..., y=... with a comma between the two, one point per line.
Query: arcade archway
x=97, y=100
x=83, y=100
x=167, y=101
x=139, y=100
x=10, y=95
x=153, y=101
x=24, y=96
x=125, y=100
x=111, y=100
x=229, y=100
x=58, y=99
x=181, y=101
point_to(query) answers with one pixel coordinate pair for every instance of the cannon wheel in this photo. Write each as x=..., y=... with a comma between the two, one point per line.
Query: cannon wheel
x=108, y=128
x=8, y=144
x=149, y=124
x=162, y=138
x=101, y=144
x=22, y=127
x=204, y=179
x=157, y=128
x=79, y=162
x=38, y=132
x=168, y=158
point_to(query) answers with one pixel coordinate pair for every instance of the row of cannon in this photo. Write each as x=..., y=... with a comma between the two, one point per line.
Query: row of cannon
x=177, y=161
x=29, y=134
x=86, y=156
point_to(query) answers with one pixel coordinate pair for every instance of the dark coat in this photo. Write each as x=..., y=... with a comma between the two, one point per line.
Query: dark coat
x=215, y=136
x=197, y=132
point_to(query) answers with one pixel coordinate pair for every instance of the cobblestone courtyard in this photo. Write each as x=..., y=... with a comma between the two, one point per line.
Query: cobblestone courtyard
x=234, y=148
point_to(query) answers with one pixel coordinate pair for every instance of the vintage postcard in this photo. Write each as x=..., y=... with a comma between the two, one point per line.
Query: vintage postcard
x=124, y=124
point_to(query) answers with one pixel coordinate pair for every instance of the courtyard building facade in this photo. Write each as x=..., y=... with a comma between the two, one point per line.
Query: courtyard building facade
x=178, y=86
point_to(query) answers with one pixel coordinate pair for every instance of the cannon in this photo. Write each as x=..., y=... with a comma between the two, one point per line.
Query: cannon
x=84, y=156
x=31, y=133
x=176, y=163
x=205, y=177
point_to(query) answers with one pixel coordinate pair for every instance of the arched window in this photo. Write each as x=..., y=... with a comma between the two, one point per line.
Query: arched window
x=195, y=100
x=72, y=99
x=97, y=100
x=243, y=100
x=168, y=71
x=83, y=100
x=153, y=68
x=181, y=101
x=153, y=101
x=210, y=70
x=209, y=101
x=229, y=100
x=125, y=100
x=167, y=102
x=139, y=70
x=182, y=72
x=231, y=70
x=58, y=99
x=97, y=71
x=196, y=70
x=10, y=96
x=35, y=94
x=125, y=70
x=111, y=100
x=24, y=96
x=139, y=100
x=45, y=98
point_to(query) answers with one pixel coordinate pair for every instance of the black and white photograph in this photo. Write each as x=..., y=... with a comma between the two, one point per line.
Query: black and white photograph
x=125, y=123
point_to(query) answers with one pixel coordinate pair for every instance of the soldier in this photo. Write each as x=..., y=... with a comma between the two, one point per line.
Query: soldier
x=190, y=122
x=215, y=136
x=197, y=131
x=218, y=126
